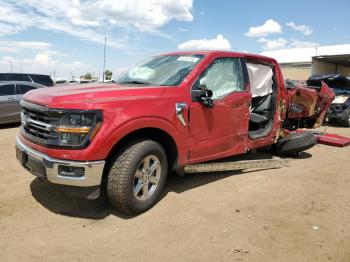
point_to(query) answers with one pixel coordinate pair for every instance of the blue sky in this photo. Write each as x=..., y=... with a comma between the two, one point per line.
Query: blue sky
x=66, y=37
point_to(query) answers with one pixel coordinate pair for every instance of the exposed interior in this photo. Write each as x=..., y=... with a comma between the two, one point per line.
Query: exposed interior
x=263, y=87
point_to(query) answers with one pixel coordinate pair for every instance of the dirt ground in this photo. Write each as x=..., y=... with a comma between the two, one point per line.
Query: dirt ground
x=297, y=213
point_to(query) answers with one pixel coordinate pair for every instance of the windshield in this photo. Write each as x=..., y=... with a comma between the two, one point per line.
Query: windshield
x=164, y=70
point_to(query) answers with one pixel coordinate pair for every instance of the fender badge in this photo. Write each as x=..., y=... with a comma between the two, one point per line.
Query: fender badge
x=178, y=108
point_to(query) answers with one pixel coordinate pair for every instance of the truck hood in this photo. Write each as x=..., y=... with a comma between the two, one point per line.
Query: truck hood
x=90, y=96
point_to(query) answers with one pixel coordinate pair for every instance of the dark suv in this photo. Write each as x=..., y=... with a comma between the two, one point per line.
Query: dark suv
x=34, y=78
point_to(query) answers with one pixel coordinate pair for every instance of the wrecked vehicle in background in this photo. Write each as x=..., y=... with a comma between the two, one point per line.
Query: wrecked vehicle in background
x=308, y=103
x=165, y=114
x=339, y=111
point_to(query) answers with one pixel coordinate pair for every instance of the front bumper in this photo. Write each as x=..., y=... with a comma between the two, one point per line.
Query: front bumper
x=43, y=166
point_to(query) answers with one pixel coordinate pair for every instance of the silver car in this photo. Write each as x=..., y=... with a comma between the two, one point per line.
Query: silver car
x=11, y=93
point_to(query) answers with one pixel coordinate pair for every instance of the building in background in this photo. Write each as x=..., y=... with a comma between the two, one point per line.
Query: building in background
x=300, y=63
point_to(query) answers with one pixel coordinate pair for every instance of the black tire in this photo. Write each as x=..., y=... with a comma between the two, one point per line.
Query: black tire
x=346, y=122
x=295, y=143
x=122, y=176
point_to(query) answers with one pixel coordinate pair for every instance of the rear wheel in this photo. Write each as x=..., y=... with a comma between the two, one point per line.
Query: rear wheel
x=295, y=143
x=137, y=176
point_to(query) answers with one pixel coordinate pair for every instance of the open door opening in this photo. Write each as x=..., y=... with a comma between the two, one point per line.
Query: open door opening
x=264, y=91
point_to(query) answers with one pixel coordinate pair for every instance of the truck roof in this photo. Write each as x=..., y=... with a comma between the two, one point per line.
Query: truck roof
x=220, y=52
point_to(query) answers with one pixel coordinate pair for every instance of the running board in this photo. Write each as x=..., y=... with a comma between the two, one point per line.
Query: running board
x=237, y=165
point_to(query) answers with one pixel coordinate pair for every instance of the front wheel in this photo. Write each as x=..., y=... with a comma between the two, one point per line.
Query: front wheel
x=137, y=176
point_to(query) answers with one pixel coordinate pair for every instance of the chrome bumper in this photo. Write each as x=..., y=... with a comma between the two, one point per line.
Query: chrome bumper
x=49, y=167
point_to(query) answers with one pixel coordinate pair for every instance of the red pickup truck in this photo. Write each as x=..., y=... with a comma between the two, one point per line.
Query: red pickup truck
x=168, y=112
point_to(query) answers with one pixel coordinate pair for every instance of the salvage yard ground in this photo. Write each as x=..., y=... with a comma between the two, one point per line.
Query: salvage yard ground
x=297, y=213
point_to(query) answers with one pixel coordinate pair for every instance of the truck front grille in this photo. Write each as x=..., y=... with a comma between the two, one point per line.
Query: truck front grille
x=38, y=124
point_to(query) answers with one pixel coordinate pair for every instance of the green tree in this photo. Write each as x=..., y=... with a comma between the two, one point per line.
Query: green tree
x=87, y=76
x=108, y=74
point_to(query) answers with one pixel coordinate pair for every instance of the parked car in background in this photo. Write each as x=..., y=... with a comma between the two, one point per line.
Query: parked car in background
x=74, y=81
x=339, y=111
x=34, y=78
x=10, y=95
x=61, y=81
x=84, y=81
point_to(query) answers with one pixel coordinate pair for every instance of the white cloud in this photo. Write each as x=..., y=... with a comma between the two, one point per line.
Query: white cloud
x=91, y=20
x=269, y=27
x=218, y=43
x=43, y=63
x=6, y=29
x=304, y=29
x=181, y=29
x=17, y=46
x=302, y=44
x=270, y=44
x=144, y=15
x=7, y=60
x=41, y=59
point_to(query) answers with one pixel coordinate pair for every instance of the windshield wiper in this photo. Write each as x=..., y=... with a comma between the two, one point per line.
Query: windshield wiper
x=133, y=82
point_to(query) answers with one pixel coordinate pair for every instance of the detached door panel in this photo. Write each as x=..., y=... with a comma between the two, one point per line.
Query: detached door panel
x=222, y=130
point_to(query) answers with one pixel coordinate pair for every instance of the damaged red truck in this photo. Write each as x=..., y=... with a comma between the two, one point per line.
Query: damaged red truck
x=168, y=112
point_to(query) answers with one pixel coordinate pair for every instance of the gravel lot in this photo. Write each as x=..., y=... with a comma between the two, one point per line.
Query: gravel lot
x=298, y=213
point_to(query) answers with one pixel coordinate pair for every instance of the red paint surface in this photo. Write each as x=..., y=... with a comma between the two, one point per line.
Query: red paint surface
x=332, y=139
x=323, y=99
x=209, y=133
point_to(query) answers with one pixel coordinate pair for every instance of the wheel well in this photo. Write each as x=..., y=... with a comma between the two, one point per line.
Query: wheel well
x=155, y=134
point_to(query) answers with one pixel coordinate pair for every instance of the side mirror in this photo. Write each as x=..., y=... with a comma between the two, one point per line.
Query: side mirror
x=203, y=96
x=208, y=93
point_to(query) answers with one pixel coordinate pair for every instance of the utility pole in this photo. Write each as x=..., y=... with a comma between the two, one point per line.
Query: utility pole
x=104, y=60
x=11, y=65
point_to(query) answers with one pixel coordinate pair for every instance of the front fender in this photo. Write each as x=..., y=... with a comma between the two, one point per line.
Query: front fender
x=112, y=133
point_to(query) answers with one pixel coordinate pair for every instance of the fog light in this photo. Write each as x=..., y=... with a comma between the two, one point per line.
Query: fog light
x=71, y=171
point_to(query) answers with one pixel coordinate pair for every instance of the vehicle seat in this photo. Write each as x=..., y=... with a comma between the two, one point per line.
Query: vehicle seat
x=257, y=119
x=261, y=108
x=261, y=104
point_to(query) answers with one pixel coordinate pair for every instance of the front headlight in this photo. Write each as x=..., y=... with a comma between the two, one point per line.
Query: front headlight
x=77, y=129
x=57, y=127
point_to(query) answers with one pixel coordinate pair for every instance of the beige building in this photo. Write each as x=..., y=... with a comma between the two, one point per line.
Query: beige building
x=300, y=63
